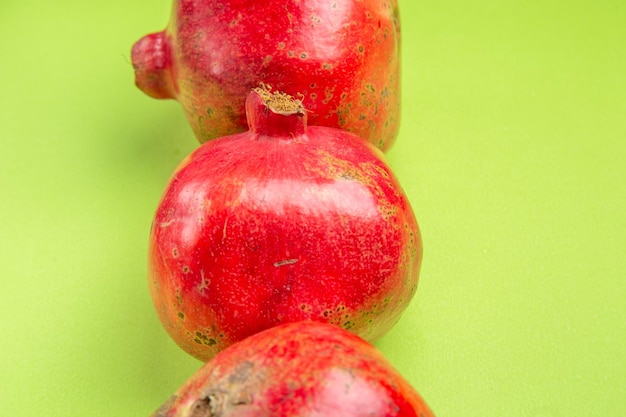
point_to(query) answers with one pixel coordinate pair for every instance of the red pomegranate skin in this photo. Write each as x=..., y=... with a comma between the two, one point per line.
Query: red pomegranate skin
x=285, y=222
x=303, y=369
x=343, y=56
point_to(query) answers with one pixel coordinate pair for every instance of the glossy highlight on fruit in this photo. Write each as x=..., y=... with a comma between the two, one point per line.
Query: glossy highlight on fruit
x=282, y=223
x=342, y=56
x=304, y=369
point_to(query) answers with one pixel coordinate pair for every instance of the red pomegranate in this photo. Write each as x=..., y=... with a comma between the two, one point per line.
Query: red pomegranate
x=297, y=369
x=282, y=223
x=341, y=55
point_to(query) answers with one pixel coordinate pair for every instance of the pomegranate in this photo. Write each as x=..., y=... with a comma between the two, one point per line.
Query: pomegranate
x=297, y=369
x=342, y=55
x=282, y=223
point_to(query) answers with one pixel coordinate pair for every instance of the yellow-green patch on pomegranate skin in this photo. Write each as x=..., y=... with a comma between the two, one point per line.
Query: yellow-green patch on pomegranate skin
x=303, y=369
x=343, y=56
x=285, y=222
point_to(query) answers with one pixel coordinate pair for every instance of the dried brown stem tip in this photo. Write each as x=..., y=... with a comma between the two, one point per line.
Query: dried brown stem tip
x=279, y=102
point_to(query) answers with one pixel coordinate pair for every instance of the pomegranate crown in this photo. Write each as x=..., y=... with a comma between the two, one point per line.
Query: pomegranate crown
x=279, y=102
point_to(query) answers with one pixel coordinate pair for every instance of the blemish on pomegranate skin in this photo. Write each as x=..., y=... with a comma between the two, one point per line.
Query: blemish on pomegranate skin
x=235, y=21
x=328, y=96
x=204, y=283
x=202, y=408
x=203, y=339
x=163, y=225
x=285, y=262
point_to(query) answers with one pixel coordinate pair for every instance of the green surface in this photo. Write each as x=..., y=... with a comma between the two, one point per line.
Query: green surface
x=512, y=151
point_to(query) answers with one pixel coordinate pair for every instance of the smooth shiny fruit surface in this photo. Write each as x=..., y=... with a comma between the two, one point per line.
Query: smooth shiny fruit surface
x=342, y=56
x=282, y=223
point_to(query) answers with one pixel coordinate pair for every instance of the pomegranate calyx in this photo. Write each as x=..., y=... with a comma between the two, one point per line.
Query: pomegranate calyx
x=279, y=102
x=151, y=59
x=275, y=114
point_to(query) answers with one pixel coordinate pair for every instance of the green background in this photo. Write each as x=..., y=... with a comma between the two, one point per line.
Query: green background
x=512, y=151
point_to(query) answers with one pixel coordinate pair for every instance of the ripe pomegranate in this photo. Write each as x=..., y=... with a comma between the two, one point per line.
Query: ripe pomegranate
x=282, y=223
x=342, y=55
x=297, y=369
